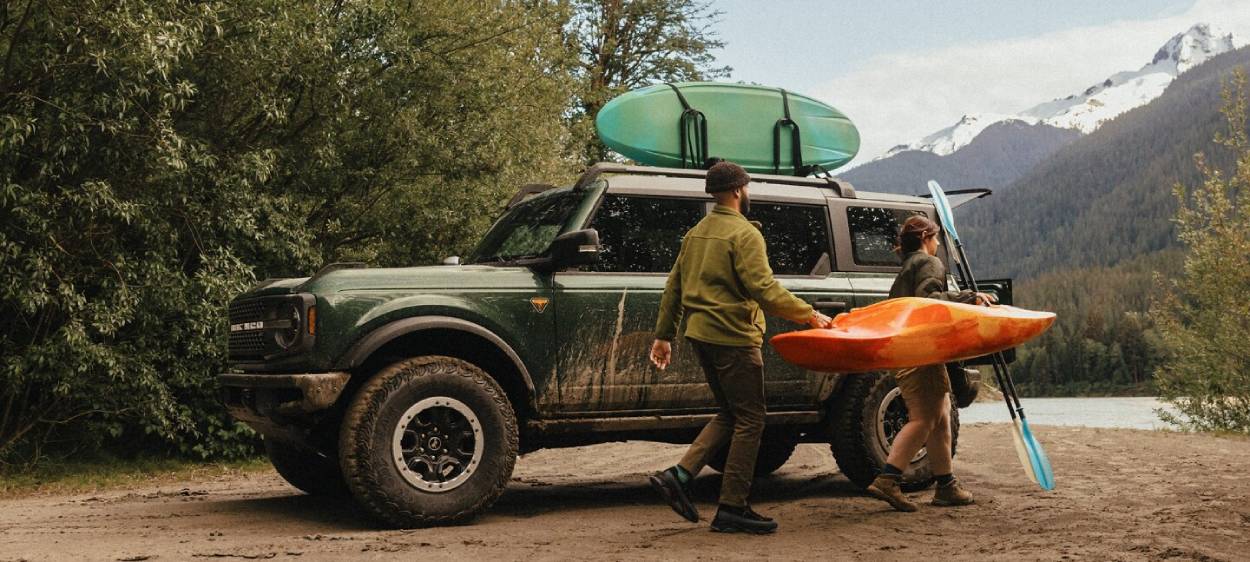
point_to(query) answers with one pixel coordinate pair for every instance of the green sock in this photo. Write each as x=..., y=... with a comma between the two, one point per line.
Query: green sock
x=682, y=475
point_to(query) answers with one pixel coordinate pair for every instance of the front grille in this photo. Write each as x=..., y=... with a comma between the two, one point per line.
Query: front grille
x=247, y=345
x=254, y=327
x=247, y=311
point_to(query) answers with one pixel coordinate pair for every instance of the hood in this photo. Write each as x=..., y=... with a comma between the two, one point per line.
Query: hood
x=273, y=286
x=436, y=277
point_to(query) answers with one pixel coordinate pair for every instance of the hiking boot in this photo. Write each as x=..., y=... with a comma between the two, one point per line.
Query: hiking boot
x=951, y=495
x=675, y=493
x=730, y=519
x=752, y=514
x=886, y=488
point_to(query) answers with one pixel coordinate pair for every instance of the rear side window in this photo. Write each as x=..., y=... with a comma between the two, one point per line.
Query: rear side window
x=874, y=232
x=797, y=237
x=642, y=234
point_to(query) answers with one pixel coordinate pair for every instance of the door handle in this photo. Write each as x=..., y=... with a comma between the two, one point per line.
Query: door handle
x=829, y=305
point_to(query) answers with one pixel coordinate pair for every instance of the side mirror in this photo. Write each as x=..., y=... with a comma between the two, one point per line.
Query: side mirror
x=451, y=260
x=580, y=247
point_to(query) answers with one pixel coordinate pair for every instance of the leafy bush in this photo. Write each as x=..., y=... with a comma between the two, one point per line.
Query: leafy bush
x=1204, y=317
x=157, y=157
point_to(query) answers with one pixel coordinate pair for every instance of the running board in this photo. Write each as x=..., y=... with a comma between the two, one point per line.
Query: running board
x=645, y=423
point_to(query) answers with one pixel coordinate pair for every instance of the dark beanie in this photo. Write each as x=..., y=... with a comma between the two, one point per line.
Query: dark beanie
x=725, y=176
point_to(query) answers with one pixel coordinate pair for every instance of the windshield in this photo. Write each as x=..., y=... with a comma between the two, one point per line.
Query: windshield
x=527, y=229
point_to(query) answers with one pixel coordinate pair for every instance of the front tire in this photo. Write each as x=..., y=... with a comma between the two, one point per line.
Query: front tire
x=428, y=441
x=310, y=471
x=865, y=417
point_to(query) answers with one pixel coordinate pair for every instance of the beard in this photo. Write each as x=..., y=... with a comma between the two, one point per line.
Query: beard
x=744, y=205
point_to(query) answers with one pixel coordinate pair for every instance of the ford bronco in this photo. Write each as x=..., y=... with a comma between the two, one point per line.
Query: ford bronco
x=413, y=390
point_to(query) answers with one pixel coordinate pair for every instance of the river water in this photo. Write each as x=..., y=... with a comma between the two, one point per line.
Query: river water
x=1131, y=413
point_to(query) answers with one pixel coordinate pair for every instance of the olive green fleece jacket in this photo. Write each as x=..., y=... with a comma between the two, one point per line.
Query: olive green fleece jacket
x=720, y=282
x=925, y=276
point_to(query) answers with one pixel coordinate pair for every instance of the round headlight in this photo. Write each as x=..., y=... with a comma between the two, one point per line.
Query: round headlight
x=287, y=334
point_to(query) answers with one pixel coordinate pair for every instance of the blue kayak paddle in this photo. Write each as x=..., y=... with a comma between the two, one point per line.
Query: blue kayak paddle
x=1032, y=457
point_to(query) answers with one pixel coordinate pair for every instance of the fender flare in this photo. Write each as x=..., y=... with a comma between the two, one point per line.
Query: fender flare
x=374, y=340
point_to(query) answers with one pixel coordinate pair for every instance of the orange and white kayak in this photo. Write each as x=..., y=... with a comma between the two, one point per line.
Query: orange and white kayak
x=910, y=332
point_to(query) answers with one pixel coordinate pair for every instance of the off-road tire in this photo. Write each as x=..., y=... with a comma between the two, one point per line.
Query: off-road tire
x=312, y=472
x=365, y=442
x=856, y=447
x=775, y=450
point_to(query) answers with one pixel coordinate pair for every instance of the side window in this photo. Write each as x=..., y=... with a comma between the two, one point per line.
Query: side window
x=797, y=237
x=874, y=232
x=642, y=234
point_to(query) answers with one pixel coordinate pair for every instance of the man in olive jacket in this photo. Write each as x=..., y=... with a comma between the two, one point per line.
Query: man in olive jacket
x=722, y=284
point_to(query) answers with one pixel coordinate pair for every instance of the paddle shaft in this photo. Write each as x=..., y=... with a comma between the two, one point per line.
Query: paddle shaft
x=1037, y=465
x=1001, y=374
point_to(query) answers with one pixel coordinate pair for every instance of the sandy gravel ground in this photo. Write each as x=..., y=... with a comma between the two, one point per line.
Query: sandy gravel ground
x=1122, y=495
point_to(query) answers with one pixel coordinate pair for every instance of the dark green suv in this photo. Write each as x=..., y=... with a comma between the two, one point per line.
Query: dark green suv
x=414, y=389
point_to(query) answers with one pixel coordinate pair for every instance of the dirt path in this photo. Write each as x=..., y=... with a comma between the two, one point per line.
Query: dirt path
x=1122, y=495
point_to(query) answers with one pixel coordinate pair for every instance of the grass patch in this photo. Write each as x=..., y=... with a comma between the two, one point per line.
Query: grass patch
x=64, y=477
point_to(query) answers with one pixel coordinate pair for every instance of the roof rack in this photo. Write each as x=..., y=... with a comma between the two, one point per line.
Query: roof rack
x=841, y=187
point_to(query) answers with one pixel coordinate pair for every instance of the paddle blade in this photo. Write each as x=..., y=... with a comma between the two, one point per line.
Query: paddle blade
x=1017, y=438
x=1037, y=458
x=943, y=208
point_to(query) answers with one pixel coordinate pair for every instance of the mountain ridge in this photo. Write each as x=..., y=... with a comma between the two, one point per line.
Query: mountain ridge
x=1098, y=103
x=998, y=156
x=1106, y=196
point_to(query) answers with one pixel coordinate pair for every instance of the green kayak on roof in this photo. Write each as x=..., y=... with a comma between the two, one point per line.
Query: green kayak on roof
x=754, y=126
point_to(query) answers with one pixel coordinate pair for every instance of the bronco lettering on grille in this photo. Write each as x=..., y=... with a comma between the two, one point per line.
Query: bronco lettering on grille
x=245, y=326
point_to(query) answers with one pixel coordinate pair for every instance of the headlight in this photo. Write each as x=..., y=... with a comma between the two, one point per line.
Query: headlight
x=287, y=325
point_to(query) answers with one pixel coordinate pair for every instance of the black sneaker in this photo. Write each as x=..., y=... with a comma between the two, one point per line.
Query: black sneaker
x=675, y=493
x=731, y=519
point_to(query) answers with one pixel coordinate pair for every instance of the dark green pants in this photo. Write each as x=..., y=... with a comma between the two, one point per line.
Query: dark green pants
x=736, y=375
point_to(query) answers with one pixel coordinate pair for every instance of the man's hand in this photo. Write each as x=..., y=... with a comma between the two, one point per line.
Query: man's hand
x=985, y=299
x=819, y=320
x=661, y=353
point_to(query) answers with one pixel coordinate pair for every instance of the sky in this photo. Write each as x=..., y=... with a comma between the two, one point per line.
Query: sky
x=902, y=69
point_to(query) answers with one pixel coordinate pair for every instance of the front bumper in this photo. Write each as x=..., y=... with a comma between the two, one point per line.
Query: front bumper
x=275, y=404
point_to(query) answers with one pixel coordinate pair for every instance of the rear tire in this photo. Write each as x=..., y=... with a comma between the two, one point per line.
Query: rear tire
x=775, y=450
x=312, y=472
x=865, y=416
x=428, y=441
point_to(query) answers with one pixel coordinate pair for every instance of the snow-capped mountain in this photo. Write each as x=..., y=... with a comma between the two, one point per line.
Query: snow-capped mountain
x=957, y=136
x=1099, y=103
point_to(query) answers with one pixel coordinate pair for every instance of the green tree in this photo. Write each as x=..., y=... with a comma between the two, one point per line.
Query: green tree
x=628, y=44
x=158, y=156
x=1204, y=316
